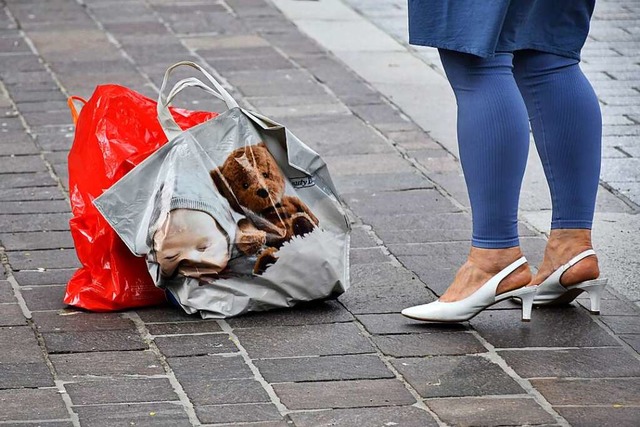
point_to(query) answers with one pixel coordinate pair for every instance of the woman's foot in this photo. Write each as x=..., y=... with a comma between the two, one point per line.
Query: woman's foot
x=482, y=265
x=564, y=244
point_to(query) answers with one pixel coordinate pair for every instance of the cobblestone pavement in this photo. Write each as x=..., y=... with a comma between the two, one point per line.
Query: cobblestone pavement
x=352, y=362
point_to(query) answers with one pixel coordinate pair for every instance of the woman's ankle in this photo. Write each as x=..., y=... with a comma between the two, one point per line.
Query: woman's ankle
x=493, y=260
x=562, y=246
x=481, y=265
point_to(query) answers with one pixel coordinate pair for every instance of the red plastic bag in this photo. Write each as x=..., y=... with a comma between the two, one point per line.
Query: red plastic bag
x=115, y=130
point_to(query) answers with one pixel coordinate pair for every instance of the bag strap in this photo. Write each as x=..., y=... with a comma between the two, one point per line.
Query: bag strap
x=72, y=106
x=165, y=118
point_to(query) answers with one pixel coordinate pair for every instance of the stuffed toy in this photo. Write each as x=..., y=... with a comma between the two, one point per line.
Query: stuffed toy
x=252, y=182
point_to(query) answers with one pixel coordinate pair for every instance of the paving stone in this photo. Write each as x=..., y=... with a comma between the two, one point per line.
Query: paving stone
x=80, y=342
x=34, y=222
x=17, y=147
x=25, y=375
x=80, y=321
x=360, y=238
x=422, y=202
x=302, y=314
x=37, y=240
x=379, y=182
x=55, y=141
x=19, y=345
x=35, y=259
x=440, y=254
x=179, y=328
x=420, y=221
x=503, y=329
x=48, y=424
x=46, y=277
x=11, y=315
x=367, y=256
x=238, y=413
x=622, y=324
x=383, y=288
x=35, y=193
x=343, y=394
x=143, y=415
x=436, y=275
x=405, y=416
x=20, y=164
x=210, y=392
x=30, y=404
x=195, y=345
x=428, y=344
x=27, y=207
x=395, y=323
x=44, y=297
x=282, y=423
x=323, y=133
x=306, y=340
x=599, y=392
x=370, y=164
x=110, y=364
x=579, y=363
x=28, y=107
x=37, y=96
x=121, y=391
x=209, y=368
x=597, y=416
x=166, y=314
x=325, y=368
x=473, y=411
x=447, y=376
x=10, y=124
x=633, y=341
x=6, y=293
x=383, y=115
x=256, y=63
x=304, y=110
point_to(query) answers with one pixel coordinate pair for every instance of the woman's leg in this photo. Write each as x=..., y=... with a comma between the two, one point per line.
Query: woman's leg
x=567, y=127
x=493, y=139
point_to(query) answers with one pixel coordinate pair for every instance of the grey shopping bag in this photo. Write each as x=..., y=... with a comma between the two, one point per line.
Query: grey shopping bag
x=233, y=215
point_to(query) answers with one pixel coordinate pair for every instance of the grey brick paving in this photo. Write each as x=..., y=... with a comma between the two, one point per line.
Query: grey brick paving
x=343, y=394
x=499, y=411
x=350, y=362
x=407, y=416
x=32, y=404
x=325, y=368
x=109, y=364
x=121, y=391
x=450, y=376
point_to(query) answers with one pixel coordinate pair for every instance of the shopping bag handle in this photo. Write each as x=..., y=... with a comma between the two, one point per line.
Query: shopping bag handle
x=165, y=118
x=72, y=106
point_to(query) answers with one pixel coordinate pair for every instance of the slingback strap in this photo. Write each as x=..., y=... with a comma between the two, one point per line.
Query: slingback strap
x=576, y=259
x=552, y=283
x=506, y=272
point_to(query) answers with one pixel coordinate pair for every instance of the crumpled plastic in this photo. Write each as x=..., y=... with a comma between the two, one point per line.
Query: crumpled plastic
x=116, y=130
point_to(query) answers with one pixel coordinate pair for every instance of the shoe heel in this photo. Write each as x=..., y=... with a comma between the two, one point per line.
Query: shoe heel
x=527, y=304
x=594, y=290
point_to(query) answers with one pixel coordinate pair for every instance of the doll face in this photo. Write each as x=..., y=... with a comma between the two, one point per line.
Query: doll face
x=190, y=243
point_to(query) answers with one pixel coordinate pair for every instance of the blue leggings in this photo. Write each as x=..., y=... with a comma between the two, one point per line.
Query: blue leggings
x=497, y=98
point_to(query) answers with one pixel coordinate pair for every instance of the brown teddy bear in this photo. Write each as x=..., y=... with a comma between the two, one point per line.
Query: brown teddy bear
x=253, y=184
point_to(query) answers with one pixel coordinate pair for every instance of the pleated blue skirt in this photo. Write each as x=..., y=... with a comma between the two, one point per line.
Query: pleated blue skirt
x=484, y=27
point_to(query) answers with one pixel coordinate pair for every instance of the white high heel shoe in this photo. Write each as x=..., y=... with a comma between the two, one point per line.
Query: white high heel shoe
x=465, y=309
x=551, y=291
